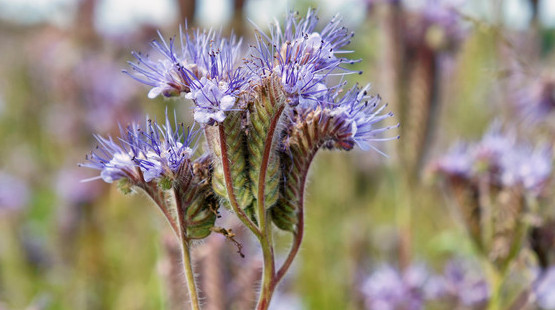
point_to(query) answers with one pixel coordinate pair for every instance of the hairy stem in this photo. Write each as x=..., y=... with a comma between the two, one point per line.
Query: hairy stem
x=299, y=232
x=189, y=274
x=297, y=240
x=186, y=253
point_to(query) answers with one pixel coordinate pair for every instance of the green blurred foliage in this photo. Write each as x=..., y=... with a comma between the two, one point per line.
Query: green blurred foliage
x=359, y=207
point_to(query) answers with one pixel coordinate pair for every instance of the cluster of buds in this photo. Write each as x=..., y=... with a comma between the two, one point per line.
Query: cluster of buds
x=264, y=113
x=495, y=182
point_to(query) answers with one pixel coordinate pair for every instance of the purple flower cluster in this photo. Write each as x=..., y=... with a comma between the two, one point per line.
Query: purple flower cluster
x=390, y=289
x=205, y=68
x=143, y=154
x=300, y=57
x=307, y=63
x=505, y=160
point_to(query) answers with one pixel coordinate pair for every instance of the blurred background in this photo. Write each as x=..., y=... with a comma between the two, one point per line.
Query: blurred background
x=447, y=69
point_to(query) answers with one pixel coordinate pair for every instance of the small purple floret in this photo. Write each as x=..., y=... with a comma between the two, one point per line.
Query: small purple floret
x=143, y=154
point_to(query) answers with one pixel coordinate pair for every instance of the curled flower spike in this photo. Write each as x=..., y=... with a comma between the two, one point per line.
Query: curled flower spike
x=205, y=69
x=360, y=113
x=347, y=120
x=143, y=155
x=301, y=57
x=336, y=123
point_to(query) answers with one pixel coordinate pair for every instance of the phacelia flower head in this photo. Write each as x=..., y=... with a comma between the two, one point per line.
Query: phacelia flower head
x=143, y=154
x=206, y=68
x=507, y=161
x=302, y=58
x=360, y=112
x=346, y=119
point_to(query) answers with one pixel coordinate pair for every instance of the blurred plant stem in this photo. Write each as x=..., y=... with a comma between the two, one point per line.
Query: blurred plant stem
x=187, y=11
x=15, y=278
x=496, y=279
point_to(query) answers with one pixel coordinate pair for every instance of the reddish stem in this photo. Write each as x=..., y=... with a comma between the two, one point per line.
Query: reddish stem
x=298, y=236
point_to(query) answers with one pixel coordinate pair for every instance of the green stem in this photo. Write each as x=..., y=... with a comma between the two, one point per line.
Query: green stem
x=229, y=186
x=186, y=253
x=189, y=274
x=496, y=279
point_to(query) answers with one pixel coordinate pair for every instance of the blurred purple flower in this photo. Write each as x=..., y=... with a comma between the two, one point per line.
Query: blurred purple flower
x=390, y=289
x=14, y=193
x=286, y=301
x=506, y=160
x=545, y=290
x=462, y=284
x=536, y=100
x=458, y=161
x=103, y=90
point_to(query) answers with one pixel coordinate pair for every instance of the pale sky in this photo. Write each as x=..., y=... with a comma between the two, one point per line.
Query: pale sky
x=117, y=16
